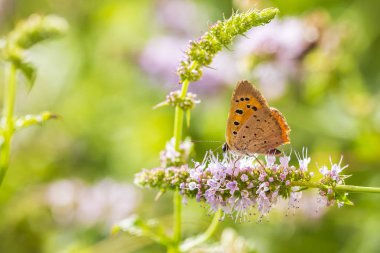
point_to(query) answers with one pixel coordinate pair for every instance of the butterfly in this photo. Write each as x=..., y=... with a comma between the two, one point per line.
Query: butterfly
x=252, y=126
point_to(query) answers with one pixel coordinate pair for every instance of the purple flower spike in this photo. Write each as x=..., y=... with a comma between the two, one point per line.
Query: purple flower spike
x=239, y=184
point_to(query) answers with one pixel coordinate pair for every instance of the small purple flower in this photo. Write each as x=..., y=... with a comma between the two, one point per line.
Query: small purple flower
x=214, y=184
x=324, y=170
x=192, y=186
x=232, y=186
x=304, y=160
x=270, y=159
x=295, y=197
x=263, y=203
x=262, y=176
x=284, y=161
x=244, y=177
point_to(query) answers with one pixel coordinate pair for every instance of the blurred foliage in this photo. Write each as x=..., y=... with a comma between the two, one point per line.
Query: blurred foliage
x=92, y=79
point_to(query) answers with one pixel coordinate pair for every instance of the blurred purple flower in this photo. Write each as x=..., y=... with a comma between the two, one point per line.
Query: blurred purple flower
x=161, y=56
x=279, y=46
x=180, y=16
x=106, y=202
x=285, y=39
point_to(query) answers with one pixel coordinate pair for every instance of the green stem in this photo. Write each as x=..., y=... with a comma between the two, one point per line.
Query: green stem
x=205, y=236
x=177, y=198
x=178, y=117
x=8, y=124
x=344, y=188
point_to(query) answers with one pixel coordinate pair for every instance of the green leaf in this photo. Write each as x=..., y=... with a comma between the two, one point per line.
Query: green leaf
x=138, y=227
x=17, y=56
x=29, y=71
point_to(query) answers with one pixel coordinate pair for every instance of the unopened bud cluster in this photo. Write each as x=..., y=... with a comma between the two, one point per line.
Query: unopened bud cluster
x=200, y=53
x=26, y=34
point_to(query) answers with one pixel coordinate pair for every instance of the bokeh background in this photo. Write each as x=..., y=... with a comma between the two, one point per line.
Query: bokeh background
x=70, y=180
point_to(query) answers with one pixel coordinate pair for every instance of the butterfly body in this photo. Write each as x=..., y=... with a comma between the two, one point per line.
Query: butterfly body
x=252, y=126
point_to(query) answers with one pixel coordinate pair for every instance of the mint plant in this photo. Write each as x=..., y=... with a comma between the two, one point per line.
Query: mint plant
x=14, y=53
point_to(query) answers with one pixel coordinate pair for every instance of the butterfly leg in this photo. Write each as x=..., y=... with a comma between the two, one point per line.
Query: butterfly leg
x=259, y=162
x=236, y=161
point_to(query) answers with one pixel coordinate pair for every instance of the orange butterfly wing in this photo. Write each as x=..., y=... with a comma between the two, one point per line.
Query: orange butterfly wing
x=244, y=102
x=264, y=128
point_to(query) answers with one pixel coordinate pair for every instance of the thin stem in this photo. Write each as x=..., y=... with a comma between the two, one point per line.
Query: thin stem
x=205, y=236
x=178, y=118
x=360, y=189
x=177, y=198
x=8, y=124
x=344, y=188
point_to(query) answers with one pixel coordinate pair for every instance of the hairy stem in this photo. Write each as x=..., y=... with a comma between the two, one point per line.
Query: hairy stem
x=8, y=124
x=343, y=188
x=206, y=235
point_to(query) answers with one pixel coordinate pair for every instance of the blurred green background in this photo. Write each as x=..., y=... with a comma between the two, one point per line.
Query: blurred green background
x=71, y=179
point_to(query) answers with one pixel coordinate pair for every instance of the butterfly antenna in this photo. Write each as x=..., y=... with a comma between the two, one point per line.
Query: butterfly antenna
x=217, y=148
x=209, y=67
x=205, y=141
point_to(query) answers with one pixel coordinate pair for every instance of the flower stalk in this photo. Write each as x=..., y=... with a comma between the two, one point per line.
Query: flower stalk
x=13, y=50
x=192, y=242
x=177, y=198
x=343, y=188
x=200, y=54
x=7, y=127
